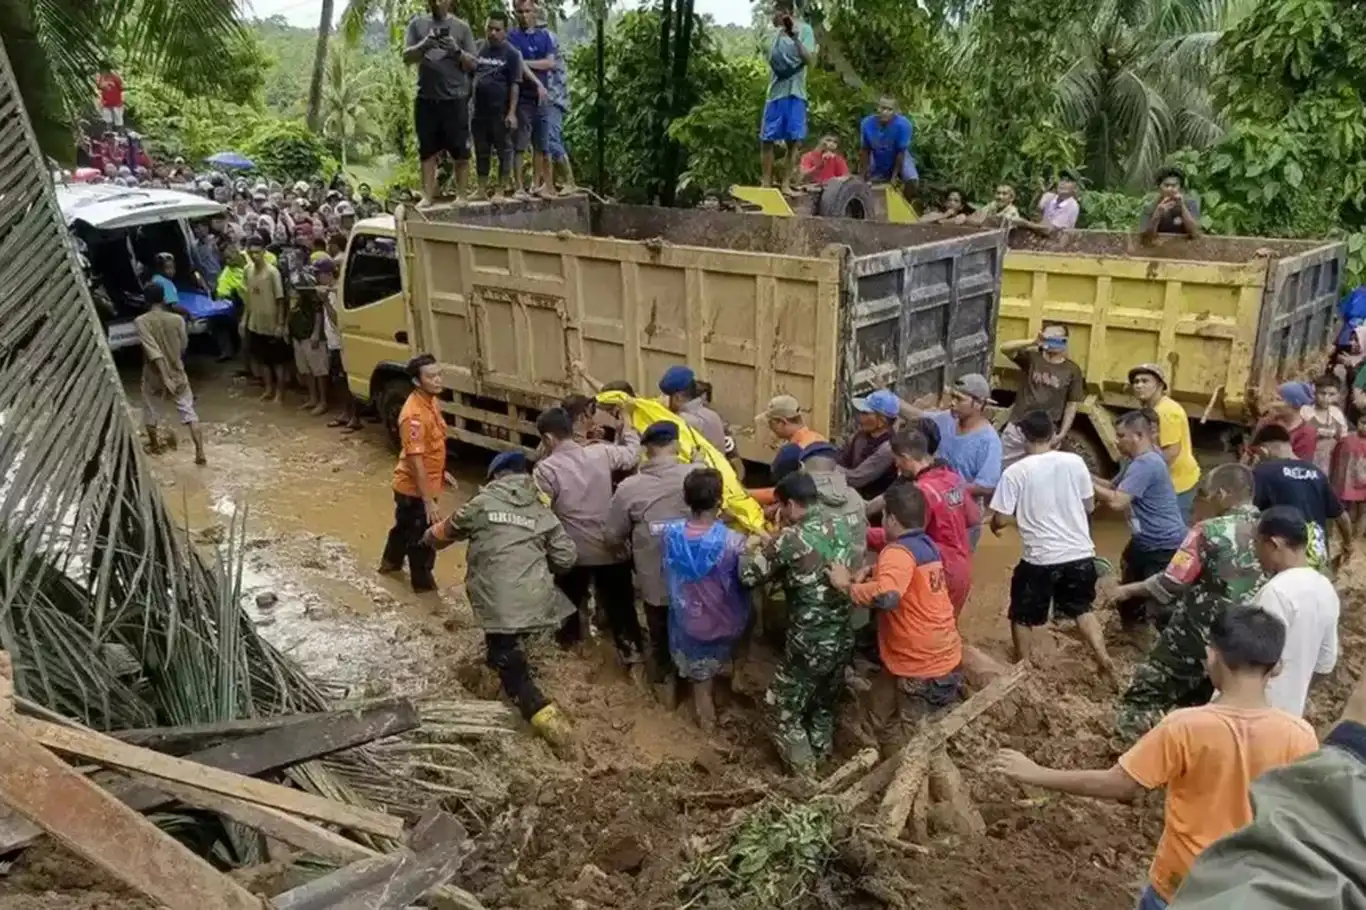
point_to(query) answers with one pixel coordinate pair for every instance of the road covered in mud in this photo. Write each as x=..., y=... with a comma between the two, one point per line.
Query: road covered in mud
x=655, y=815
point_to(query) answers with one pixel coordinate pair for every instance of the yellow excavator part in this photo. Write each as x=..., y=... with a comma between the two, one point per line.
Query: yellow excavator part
x=770, y=200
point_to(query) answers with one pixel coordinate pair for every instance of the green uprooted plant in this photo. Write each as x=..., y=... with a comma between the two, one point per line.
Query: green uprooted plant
x=773, y=859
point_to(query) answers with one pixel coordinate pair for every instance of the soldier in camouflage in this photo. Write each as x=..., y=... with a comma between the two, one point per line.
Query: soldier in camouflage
x=804, y=695
x=1215, y=568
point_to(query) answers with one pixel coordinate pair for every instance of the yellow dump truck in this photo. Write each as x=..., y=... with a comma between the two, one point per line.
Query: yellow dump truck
x=1227, y=317
x=509, y=298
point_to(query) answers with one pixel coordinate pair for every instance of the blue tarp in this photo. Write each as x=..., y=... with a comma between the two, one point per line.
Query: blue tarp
x=232, y=160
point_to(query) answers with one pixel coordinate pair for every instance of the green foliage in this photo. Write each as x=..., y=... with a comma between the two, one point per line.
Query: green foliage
x=287, y=151
x=193, y=128
x=350, y=104
x=1107, y=211
x=1293, y=85
x=719, y=134
x=773, y=860
x=634, y=111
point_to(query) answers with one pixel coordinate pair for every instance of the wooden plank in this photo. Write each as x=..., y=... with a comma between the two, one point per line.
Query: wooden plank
x=913, y=761
x=392, y=881
x=109, y=751
x=282, y=826
x=329, y=730
x=322, y=734
x=97, y=826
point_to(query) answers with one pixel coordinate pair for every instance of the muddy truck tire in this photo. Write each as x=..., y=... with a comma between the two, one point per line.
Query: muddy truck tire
x=1081, y=441
x=845, y=197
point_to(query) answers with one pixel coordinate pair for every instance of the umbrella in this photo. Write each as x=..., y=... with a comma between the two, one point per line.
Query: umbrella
x=232, y=160
x=82, y=174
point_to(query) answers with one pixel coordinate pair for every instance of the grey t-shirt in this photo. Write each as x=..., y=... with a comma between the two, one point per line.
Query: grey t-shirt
x=439, y=75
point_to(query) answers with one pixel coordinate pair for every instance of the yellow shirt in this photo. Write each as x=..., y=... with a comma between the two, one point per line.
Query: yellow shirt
x=1174, y=429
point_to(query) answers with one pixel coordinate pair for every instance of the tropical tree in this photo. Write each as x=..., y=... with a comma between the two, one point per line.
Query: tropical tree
x=349, y=103
x=315, y=83
x=57, y=47
x=1139, y=86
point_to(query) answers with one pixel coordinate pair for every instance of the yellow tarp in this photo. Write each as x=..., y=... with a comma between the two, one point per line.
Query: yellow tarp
x=743, y=510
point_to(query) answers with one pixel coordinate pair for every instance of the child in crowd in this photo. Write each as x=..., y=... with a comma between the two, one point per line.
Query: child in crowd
x=917, y=634
x=1327, y=419
x=1205, y=757
x=1349, y=474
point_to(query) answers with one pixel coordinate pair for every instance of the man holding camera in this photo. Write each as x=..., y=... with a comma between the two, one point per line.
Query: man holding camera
x=442, y=46
x=1176, y=211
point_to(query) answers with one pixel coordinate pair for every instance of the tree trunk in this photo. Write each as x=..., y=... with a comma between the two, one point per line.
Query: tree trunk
x=315, y=84
x=682, y=51
x=601, y=29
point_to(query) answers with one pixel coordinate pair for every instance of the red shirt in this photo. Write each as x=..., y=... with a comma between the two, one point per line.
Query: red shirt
x=111, y=89
x=1303, y=439
x=821, y=168
x=951, y=511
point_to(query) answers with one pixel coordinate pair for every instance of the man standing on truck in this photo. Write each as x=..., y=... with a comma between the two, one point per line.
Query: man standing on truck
x=419, y=476
x=497, y=85
x=578, y=481
x=1149, y=383
x=1175, y=211
x=536, y=115
x=442, y=46
x=793, y=50
x=1050, y=381
x=679, y=383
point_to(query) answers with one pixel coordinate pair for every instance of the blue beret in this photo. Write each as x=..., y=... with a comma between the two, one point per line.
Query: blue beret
x=677, y=379
x=507, y=461
x=660, y=433
x=820, y=449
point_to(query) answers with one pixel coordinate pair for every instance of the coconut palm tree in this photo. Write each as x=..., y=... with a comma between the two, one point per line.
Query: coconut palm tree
x=315, y=83
x=349, y=102
x=1140, y=87
x=57, y=47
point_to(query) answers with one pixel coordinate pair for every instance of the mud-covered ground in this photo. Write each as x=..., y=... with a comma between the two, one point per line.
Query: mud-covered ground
x=618, y=829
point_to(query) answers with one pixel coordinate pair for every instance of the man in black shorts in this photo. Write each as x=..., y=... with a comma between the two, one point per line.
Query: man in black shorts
x=497, y=83
x=442, y=46
x=1048, y=495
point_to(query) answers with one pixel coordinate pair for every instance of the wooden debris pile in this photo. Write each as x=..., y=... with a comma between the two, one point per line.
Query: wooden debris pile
x=219, y=768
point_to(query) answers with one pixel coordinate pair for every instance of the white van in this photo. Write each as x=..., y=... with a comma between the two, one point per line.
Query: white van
x=121, y=230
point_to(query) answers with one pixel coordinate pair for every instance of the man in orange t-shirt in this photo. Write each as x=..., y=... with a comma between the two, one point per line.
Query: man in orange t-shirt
x=1205, y=757
x=917, y=634
x=419, y=475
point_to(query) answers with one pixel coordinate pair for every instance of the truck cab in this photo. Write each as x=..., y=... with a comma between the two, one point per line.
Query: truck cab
x=372, y=317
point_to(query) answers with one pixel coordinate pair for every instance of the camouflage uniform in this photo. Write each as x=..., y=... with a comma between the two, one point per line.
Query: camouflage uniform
x=806, y=688
x=1216, y=567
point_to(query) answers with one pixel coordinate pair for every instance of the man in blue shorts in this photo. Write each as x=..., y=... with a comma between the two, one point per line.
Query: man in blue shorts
x=536, y=115
x=794, y=49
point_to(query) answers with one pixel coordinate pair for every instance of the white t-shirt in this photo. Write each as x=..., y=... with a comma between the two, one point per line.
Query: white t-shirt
x=1305, y=601
x=1047, y=494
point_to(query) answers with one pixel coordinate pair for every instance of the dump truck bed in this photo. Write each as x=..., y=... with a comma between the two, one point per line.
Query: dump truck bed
x=1226, y=323
x=820, y=309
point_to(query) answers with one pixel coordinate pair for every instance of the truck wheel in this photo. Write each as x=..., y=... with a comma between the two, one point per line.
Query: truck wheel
x=389, y=401
x=1081, y=442
x=845, y=197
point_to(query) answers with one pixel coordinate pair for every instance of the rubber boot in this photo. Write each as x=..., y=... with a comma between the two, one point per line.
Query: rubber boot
x=552, y=726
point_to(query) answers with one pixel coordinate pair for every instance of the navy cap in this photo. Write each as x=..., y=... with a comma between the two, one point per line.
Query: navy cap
x=677, y=379
x=660, y=433
x=508, y=461
x=820, y=450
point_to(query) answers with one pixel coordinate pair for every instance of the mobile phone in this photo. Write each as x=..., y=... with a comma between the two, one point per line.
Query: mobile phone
x=442, y=31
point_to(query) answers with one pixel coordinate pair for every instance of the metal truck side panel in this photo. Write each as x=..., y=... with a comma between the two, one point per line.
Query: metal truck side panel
x=1299, y=311
x=1174, y=303
x=508, y=312
x=920, y=316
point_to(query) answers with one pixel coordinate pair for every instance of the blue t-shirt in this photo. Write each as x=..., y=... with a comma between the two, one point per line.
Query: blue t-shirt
x=536, y=44
x=1154, y=515
x=168, y=289
x=975, y=455
x=883, y=141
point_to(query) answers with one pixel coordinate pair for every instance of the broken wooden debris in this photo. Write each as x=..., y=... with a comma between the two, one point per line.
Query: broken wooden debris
x=250, y=755
x=390, y=882
x=343, y=727
x=913, y=760
x=846, y=772
x=109, y=751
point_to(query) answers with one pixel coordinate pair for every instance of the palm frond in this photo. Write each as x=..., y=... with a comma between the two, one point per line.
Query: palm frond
x=1080, y=93
x=182, y=41
x=1145, y=121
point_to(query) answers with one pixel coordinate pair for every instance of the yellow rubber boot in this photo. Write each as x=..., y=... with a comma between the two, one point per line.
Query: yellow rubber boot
x=552, y=726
